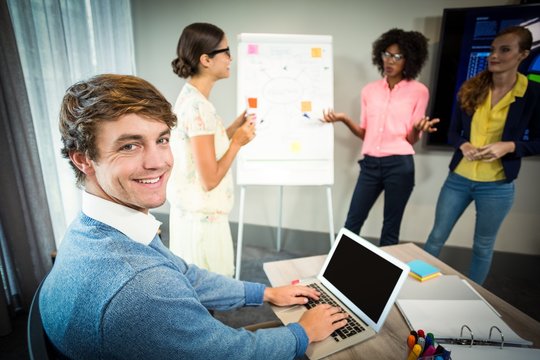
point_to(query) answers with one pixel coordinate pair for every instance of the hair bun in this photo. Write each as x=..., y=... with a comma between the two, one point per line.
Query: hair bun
x=176, y=66
x=181, y=68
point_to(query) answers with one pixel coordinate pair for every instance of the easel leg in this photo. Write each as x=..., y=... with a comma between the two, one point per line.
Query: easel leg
x=280, y=217
x=330, y=214
x=240, y=232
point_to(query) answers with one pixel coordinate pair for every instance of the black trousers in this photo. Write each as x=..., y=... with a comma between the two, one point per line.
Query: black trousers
x=395, y=176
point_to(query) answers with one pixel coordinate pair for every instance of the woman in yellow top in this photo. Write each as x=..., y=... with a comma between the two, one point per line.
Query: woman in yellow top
x=200, y=190
x=497, y=124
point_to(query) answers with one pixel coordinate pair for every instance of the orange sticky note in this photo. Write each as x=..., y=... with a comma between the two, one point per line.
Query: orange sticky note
x=316, y=52
x=306, y=106
x=252, y=103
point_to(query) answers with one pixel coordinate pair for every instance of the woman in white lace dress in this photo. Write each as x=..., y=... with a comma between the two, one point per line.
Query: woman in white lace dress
x=201, y=191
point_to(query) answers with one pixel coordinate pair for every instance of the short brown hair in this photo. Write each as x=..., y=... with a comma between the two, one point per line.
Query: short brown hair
x=106, y=98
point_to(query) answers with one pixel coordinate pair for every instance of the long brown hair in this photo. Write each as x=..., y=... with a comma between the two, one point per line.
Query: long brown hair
x=474, y=91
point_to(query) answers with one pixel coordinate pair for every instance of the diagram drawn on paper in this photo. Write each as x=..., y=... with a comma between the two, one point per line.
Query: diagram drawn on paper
x=287, y=83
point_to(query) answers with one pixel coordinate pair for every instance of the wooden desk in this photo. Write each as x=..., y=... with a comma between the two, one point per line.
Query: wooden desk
x=390, y=342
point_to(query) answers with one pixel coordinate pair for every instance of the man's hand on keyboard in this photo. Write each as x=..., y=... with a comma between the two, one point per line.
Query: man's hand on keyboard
x=290, y=295
x=322, y=320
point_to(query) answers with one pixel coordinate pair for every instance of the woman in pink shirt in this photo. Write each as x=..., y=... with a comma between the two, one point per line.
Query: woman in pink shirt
x=392, y=120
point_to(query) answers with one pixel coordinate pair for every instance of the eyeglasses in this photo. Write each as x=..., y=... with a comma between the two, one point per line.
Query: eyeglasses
x=217, y=51
x=396, y=57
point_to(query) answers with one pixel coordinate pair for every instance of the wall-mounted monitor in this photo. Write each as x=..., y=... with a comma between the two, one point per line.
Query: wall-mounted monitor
x=466, y=37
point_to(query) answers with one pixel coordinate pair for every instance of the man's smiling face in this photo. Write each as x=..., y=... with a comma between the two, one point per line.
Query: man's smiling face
x=133, y=162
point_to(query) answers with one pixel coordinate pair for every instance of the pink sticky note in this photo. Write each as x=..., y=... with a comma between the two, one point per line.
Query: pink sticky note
x=253, y=49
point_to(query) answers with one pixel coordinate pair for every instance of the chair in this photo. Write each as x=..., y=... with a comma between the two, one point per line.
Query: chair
x=39, y=345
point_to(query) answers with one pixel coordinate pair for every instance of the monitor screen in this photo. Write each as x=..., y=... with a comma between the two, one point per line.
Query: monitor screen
x=466, y=37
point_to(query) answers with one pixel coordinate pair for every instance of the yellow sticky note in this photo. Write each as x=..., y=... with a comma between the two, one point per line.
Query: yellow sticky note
x=306, y=106
x=316, y=52
x=296, y=147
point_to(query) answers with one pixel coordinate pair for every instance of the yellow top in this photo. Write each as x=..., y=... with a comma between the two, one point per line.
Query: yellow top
x=486, y=128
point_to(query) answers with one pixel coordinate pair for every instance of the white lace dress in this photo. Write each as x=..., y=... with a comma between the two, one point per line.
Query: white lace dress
x=199, y=224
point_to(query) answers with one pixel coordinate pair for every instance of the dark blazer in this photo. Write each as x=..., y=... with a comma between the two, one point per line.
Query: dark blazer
x=522, y=127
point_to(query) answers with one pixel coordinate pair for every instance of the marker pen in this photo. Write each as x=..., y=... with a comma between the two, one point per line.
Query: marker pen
x=415, y=352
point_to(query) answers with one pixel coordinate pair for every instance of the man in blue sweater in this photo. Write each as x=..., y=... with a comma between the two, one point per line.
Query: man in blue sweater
x=115, y=291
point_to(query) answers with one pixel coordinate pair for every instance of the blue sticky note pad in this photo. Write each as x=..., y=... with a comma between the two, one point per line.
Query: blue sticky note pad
x=422, y=268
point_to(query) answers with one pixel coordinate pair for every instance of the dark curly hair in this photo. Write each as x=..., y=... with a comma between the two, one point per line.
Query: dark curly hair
x=196, y=39
x=412, y=44
x=474, y=91
x=105, y=98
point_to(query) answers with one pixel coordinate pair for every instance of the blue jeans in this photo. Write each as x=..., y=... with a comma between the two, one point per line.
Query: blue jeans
x=393, y=174
x=493, y=201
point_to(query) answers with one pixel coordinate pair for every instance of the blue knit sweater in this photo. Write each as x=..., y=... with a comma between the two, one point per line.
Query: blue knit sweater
x=109, y=297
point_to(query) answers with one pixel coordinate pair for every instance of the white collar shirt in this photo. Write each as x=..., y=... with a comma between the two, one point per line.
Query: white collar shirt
x=136, y=225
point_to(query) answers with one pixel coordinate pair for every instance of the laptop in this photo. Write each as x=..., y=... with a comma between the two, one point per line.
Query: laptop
x=363, y=280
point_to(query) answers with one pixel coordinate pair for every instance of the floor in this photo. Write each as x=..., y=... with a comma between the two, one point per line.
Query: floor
x=513, y=277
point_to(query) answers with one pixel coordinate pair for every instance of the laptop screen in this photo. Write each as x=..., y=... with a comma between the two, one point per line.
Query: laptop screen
x=367, y=276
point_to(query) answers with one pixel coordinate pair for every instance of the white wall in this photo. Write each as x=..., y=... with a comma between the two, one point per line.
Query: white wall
x=354, y=25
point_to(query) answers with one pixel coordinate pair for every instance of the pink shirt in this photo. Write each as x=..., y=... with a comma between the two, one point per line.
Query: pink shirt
x=389, y=115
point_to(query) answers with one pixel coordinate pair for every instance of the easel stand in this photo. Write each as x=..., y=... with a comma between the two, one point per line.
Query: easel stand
x=278, y=240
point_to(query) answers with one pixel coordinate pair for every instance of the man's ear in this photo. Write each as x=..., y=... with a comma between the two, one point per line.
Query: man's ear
x=82, y=162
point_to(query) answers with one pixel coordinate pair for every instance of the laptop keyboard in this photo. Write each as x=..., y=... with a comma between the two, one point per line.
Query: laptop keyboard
x=353, y=327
